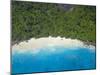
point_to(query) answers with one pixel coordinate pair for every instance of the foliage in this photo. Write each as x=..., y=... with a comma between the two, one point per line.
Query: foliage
x=34, y=19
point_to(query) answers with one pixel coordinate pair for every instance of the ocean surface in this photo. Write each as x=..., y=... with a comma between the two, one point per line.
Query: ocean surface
x=53, y=59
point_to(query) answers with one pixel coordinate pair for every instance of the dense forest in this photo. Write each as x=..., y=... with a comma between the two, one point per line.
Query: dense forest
x=35, y=19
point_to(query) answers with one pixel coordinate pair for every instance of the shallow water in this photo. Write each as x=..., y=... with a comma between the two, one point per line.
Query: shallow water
x=53, y=59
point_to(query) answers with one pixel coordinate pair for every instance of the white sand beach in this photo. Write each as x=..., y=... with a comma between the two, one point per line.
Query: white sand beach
x=34, y=43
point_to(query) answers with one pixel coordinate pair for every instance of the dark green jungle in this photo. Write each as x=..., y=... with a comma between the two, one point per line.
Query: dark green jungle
x=35, y=19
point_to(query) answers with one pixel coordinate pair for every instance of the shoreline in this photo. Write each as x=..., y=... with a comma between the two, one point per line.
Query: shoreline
x=85, y=42
x=34, y=43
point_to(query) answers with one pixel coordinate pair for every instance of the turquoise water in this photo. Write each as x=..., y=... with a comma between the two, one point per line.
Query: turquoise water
x=53, y=59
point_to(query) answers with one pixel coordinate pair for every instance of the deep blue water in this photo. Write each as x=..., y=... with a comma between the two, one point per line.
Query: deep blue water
x=53, y=59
